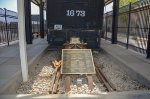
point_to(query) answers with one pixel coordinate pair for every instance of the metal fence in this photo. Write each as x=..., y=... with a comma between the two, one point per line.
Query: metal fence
x=133, y=25
x=35, y=23
x=8, y=26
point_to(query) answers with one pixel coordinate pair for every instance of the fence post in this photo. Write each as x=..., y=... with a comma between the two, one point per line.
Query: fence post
x=6, y=25
x=148, y=44
x=128, y=32
x=38, y=28
x=33, y=26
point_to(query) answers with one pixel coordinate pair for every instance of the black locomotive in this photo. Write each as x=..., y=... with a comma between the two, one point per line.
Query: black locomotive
x=74, y=18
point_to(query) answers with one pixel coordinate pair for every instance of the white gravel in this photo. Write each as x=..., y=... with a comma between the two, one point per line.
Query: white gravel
x=83, y=88
x=40, y=75
x=116, y=75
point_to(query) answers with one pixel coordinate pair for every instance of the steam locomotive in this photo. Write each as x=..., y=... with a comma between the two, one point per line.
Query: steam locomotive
x=74, y=18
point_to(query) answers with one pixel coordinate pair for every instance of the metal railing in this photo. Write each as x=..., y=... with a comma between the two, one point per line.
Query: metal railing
x=133, y=25
x=8, y=26
x=36, y=25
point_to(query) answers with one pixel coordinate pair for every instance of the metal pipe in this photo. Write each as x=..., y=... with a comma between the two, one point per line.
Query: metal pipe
x=148, y=44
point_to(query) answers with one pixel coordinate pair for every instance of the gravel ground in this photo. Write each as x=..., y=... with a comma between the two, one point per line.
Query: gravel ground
x=40, y=75
x=115, y=74
x=82, y=88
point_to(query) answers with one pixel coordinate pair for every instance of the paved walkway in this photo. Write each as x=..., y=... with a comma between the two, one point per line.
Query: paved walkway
x=135, y=64
x=10, y=68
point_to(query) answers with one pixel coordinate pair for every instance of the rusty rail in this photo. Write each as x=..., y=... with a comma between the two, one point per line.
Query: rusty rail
x=103, y=78
x=56, y=77
x=100, y=75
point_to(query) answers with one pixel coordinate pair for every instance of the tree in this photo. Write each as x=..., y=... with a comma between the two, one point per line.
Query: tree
x=125, y=2
x=124, y=18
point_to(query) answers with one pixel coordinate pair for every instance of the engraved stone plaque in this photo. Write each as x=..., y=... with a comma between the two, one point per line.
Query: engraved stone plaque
x=77, y=61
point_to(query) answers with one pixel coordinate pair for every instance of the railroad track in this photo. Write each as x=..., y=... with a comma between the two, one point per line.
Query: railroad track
x=99, y=73
x=103, y=79
x=56, y=77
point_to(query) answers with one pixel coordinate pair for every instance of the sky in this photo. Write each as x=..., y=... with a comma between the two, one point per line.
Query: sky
x=108, y=7
x=12, y=5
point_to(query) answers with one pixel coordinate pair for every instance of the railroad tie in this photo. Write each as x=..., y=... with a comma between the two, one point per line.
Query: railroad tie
x=67, y=84
x=90, y=81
